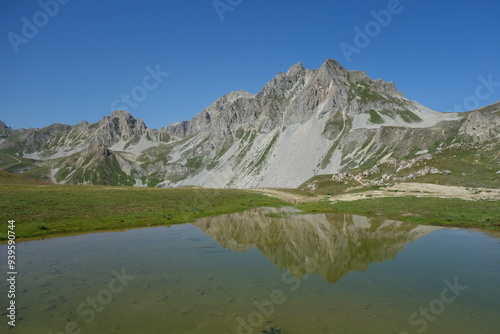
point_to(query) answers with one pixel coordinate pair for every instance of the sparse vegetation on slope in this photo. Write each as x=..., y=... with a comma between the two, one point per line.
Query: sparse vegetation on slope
x=469, y=165
x=375, y=118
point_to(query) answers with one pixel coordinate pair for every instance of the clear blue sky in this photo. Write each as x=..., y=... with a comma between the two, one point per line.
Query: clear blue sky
x=91, y=52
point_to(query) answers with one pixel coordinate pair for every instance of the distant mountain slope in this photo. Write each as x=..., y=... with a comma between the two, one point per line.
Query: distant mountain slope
x=302, y=123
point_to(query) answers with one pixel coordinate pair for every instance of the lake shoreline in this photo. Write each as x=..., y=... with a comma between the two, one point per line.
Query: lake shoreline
x=48, y=209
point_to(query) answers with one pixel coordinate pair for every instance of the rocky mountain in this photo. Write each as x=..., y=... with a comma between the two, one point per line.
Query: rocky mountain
x=301, y=123
x=5, y=131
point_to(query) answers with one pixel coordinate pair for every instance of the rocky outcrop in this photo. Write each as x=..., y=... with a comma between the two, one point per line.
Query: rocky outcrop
x=119, y=126
x=5, y=131
x=4, y=127
x=422, y=172
x=481, y=126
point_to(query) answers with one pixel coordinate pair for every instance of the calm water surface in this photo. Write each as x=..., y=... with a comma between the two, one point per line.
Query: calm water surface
x=261, y=271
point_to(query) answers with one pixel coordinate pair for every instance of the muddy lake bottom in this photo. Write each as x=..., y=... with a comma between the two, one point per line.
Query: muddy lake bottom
x=260, y=271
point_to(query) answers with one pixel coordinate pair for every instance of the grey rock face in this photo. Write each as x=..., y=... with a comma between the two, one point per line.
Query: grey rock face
x=3, y=126
x=481, y=126
x=119, y=126
x=5, y=131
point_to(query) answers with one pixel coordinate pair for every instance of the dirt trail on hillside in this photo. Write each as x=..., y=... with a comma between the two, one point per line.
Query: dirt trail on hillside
x=397, y=190
x=287, y=196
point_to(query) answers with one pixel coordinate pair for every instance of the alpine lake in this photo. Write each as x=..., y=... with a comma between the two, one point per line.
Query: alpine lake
x=264, y=270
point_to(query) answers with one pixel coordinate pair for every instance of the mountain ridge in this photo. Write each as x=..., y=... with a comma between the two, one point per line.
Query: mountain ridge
x=301, y=123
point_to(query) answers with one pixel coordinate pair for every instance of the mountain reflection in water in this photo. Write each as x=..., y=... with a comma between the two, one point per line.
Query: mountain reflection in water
x=328, y=244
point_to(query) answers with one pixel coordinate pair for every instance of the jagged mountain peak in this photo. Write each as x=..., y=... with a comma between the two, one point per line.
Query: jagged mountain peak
x=334, y=65
x=297, y=69
x=198, y=123
x=3, y=126
x=233, y=96
x=124, y=119
x=332, y=70
x=282, y=82
x=5, y=131
x=83, y=124
x=120, y=114
x=120, y=125
x=225, y=100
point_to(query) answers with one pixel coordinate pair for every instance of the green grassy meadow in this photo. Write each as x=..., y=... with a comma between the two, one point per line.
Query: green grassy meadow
x=42, y=209
x=421, y=210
